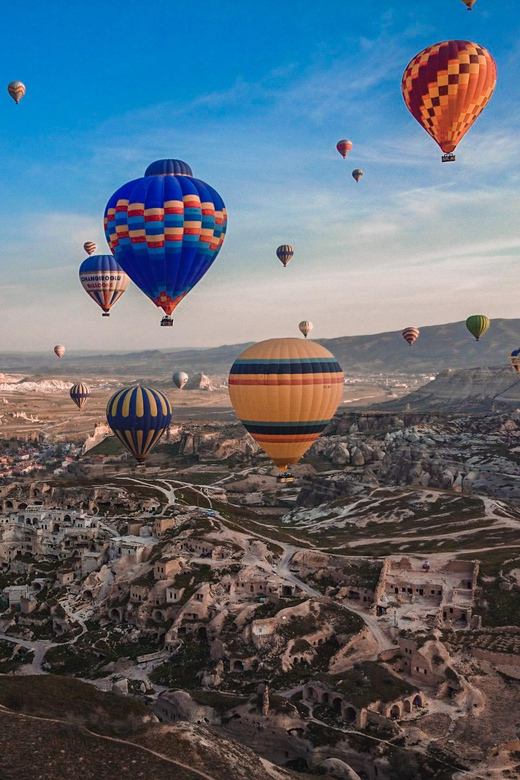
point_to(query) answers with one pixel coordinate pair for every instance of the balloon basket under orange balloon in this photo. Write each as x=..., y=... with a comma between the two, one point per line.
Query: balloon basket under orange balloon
x=167, y=322
x=448, y=157
x=106, y=314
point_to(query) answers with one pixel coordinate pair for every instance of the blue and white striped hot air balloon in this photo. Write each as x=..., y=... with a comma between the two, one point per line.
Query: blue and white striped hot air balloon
x=104, y=280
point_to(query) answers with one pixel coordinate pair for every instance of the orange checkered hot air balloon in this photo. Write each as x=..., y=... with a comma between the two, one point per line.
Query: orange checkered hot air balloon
x=446, y=87
x=469, y=4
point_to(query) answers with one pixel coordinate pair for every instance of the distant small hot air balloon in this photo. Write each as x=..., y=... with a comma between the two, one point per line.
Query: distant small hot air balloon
x=446, y=87
x=357, y=174
x=179, y=379
x=469, y=4
x=17, y=90
x=477, y=325
x=410, y=335
x=139, y=416
x=514, y=359
x=80, y=394
x=285, y=391
x=104, y=280
x=89, y=247
x=284, y=254
x=305, y=327
x=59, y=349
x=344, y=147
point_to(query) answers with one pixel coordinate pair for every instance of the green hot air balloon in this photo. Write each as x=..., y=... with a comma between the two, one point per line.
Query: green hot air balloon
x=477, y=325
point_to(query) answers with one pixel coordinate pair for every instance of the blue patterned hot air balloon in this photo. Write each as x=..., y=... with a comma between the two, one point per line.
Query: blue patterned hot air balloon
x=80, y=394
x=165, y=231
x=104, y=280
x=139, y=416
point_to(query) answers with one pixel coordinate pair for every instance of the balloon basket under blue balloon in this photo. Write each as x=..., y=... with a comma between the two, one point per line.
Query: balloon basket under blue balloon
x=106, y=314
x=167, y=322
x=448, y=157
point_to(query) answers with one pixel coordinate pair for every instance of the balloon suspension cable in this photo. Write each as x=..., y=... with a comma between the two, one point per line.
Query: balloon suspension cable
x=448, y=157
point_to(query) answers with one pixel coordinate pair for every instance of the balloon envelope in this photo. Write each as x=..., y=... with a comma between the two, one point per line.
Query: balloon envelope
x=165, y=230
x=410, y=335
x=357, y=174
x=344, y=147
x=80, y=394
x=447, y=86
x=477, y=325
x=284, y=254
x=305, y=327
x=139, y=416
x=469, y=4
x=17, y=90
x=89, y=247
x=285, y=391
x=179, y=379
x=59, y=349
x=103, y=279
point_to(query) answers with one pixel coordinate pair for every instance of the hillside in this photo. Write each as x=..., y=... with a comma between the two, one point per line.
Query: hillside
x=465, y=390
x=439, y=347
x=66, y=729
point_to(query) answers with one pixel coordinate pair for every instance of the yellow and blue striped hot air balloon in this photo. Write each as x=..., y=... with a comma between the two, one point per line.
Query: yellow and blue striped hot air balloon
x=285, y=391
x=80, y=394
x=139, y=416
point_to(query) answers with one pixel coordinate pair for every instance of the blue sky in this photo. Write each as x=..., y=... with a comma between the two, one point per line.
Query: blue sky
x=254, y=97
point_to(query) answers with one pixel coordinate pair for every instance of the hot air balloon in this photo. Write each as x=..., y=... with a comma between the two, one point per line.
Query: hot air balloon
x=469, y=4
x=89, y=247
x=514, y=359
x=285, y=391
x=410, y=335
x=357, y=174
x=284, y=254
x=165, y=231
x=344, y=147
x=139, y=416
x=59, y=349
x=477, y=325
x=179, y=379
x=446, y=87
x=104, y=280
x=80, y=394
x=17, y=90
x=305, y=327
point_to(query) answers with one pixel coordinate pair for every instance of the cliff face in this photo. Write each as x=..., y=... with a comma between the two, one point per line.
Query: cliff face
x=465, y=390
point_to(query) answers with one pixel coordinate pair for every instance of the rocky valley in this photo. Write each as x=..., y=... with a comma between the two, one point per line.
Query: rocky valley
x=359, y=622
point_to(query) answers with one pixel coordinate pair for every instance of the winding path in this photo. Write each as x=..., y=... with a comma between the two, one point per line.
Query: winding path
x=38, y=646
x=128, y=743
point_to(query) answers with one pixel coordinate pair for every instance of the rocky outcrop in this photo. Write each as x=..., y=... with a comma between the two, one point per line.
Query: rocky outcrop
x=467, y=390
x=216, y=442
x=201, y=381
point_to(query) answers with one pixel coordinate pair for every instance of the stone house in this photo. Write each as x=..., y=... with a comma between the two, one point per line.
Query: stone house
x=139, y=592
x=418, y=662
x=174, y=594
x=167, y=568
x=65, y=578
x=359, y=716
